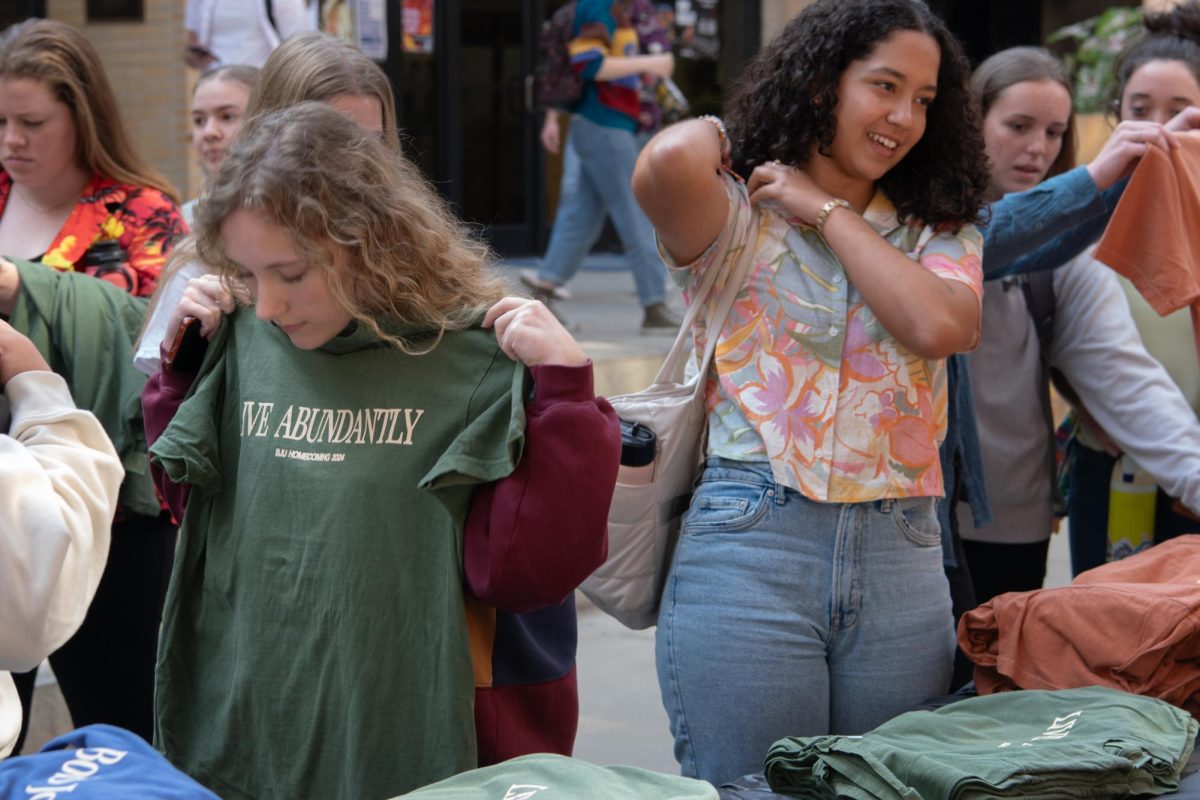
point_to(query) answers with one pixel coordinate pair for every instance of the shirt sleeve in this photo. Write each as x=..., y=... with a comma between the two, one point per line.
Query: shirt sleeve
x=192, y=15
x=593, y=29
x=489, y=445
x=152, y=223
x=162, y=395
x=1098, y=349
x=146, y=357
x=59, y=478
x=689, y=276
x=1043, y=220
x=533, y=536
x=188, y=450
x=956, y=256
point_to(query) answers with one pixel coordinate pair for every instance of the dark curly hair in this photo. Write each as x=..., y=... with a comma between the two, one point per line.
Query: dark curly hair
x=784, y=105
x=1172, y=35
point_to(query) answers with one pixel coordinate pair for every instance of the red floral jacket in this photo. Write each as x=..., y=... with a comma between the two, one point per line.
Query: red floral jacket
x=145, y=222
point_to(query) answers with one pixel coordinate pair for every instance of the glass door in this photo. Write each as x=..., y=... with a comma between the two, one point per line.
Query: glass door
x=499, y=172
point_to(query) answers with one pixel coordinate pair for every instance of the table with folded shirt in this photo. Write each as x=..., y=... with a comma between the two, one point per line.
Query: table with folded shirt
x=1083, y=690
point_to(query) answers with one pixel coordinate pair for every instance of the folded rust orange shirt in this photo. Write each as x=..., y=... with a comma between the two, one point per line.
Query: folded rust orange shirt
x=1153, y=237
x=1133, y=625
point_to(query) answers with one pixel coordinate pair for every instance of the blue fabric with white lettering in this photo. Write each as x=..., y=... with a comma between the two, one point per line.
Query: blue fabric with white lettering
x=1085, y=742
x=96, y=763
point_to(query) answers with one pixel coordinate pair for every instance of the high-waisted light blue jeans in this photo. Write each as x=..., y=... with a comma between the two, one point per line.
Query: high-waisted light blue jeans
x=597, y=167
x=787, y=617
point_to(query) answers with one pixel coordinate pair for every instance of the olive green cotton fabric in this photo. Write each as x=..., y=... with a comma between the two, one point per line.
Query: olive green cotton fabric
x=553, y=777
x=85, y=329
x=1089, y=742
x=314, y=641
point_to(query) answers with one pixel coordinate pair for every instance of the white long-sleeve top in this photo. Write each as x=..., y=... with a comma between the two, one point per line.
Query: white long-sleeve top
x=59, y=477
x=240, y=32
x=1097, y=348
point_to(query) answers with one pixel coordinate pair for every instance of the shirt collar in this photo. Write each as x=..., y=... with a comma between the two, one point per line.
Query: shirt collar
x=881, y=214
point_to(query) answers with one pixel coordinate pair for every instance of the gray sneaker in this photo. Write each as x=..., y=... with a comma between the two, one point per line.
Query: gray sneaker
x=539, y=288
x=659, y=318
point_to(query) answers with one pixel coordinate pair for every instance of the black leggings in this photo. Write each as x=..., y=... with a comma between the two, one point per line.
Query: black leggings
x=999, y=568
x=106, y=670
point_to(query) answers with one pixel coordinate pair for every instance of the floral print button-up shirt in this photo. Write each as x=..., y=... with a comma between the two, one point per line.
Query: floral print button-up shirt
x=806, y=378
x=145, y=222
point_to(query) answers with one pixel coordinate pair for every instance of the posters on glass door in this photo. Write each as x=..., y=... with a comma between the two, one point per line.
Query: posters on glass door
x=418, y=26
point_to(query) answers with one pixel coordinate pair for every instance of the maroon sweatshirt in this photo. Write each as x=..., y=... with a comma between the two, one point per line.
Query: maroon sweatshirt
x=530, y=540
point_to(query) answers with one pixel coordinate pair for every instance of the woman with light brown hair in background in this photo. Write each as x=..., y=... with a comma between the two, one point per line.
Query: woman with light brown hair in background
x=76, y=196
x=315, y=66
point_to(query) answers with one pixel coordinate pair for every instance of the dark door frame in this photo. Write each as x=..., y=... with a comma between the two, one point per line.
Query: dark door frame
x=505, y=239
x=24, y=10
x=743, y=26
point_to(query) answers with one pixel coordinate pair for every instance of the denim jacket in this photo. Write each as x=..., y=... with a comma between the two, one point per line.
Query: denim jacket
x=1030, y=231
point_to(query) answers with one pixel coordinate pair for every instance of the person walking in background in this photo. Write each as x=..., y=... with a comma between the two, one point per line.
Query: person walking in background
x=578, y=241
x=59, y=477
x=71, y=188
x=241, y=31
x=806, y=595
x=602, y=138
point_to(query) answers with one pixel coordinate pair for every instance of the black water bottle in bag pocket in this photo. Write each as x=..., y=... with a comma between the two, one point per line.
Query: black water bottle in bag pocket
x=638, y=444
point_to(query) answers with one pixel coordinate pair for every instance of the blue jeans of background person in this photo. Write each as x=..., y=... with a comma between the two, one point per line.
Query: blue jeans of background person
x=782, y=616
x=597, y=168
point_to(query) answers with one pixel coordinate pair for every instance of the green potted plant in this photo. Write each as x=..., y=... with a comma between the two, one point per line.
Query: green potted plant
x=1089, y=49
x=1091, y=54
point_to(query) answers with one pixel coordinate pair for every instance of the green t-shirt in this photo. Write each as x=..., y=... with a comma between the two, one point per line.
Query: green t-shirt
x=314, y=641
x=1086, y=742
x=552, y=777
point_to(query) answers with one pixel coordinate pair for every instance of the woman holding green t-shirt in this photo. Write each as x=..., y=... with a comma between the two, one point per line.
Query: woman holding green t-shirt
x=356, y=450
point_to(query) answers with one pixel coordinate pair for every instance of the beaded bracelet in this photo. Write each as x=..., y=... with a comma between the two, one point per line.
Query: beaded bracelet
x=722, y=137
x=719, y=124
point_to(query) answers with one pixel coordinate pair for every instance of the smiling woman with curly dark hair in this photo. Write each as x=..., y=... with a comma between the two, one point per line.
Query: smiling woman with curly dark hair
x=806, y=595
x=784, y=104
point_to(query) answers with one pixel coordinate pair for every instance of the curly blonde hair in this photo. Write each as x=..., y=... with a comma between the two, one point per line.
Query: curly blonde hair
x=334, y=187
x=308, y=66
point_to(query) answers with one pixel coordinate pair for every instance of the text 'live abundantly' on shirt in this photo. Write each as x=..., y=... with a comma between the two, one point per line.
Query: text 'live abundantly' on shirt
x=314, y=641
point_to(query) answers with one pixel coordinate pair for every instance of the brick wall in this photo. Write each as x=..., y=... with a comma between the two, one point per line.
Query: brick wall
x=144, y=62
x=776, y=13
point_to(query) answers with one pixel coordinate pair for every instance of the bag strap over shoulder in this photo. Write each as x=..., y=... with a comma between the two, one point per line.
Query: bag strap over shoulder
x=736, y=270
